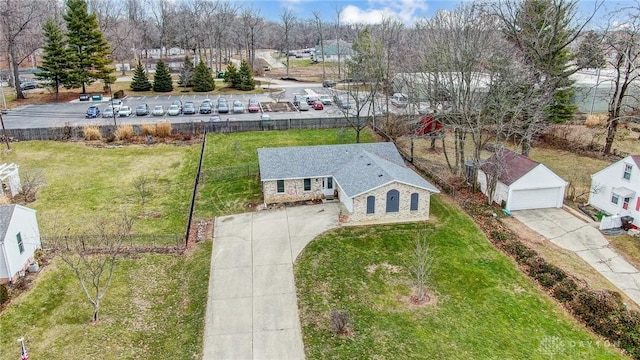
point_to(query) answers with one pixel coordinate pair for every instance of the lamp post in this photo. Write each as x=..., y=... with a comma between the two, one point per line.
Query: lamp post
x=113, y=110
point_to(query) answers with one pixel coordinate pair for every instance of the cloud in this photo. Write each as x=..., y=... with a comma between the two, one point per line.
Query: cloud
x=404, y=10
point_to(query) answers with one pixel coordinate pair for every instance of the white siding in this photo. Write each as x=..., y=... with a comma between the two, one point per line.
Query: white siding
x=610, y=178
x=23, y=222
x=501, y=193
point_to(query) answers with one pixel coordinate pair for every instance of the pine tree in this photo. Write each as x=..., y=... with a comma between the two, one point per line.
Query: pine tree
x=140, y=80
x=186, y=73
x=245, y=81
x=162, y=81
x=202, y=78
x=87, y=50
x=232, y=76
x=54, y=64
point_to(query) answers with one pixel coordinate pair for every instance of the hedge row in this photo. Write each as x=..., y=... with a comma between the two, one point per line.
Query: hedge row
x=603, y=311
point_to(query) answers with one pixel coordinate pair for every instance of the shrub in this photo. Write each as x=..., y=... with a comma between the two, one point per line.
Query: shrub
x=596, y=120
x=124, y=132
x=118, y=94
x=92, y=133
x=163, y=129
x=521, y=252
x=4, y=294
x=340, y=322
x=597, y=308
x=148, y=129
x=499, y=236
x=547, y=275
x=565, y=290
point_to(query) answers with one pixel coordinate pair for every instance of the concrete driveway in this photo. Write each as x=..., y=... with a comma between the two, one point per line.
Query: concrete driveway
x=252, y=310
x=571, y=233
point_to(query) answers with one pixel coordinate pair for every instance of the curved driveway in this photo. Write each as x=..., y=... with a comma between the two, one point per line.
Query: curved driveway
x=252, y=310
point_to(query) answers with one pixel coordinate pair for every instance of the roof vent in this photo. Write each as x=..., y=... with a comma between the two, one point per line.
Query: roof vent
x=368, y=164
x=380, y=175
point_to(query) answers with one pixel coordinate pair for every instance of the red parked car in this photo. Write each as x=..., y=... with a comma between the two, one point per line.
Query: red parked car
x=254, y=105
x=317, y=105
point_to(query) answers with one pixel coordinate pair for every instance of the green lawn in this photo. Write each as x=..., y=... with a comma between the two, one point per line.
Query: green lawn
x=223, y=197
x=486, y=308
x=83, y=183
x=154, y=310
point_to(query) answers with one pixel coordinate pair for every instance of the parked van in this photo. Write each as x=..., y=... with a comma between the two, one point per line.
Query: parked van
x=400, y=100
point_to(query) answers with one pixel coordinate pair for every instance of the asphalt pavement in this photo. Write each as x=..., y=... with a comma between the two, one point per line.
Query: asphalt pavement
x=571, y=233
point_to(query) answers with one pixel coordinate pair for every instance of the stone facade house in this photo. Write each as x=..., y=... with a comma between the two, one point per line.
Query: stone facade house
x=370, y=180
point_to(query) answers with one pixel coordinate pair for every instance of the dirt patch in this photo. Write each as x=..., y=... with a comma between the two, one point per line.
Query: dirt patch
x=430, y=299
x=392, y=269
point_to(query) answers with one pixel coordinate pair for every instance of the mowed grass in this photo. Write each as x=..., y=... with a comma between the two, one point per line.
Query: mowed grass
x=154, y=310
x=83, y=183
x=231, y=196
x=486, y=308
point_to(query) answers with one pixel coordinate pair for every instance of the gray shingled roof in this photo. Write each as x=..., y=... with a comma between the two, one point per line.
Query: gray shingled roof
x=6, y=212
x=357, y=168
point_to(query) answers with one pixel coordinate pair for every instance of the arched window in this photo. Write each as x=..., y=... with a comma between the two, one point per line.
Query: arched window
x=414, y=202
x=393, y=201
x=371, y=204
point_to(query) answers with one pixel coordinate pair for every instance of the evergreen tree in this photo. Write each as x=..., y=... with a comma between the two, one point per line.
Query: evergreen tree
x=162, y=81
x=87, y=50
x=232, y=77
x=202, y=78
x=186, y=73
x=140, y=81
x=54, y=64
x=245, y=75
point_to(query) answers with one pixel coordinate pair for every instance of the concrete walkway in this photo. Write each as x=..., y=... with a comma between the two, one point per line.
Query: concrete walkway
x=571, y=233
x=252, y=309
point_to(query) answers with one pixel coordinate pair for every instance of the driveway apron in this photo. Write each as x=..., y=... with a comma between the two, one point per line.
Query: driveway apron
x=571, y=233
x=252, y=310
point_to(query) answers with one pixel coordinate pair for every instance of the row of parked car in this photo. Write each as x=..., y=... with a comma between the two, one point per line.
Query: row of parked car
x=317, y=102
x=117, y=108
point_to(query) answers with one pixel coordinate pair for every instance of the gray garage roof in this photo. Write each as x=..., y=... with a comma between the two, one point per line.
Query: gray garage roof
x=6, y=212
x=357, y=168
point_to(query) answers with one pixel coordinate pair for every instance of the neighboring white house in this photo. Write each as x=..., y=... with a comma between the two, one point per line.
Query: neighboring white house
x=19, y=239
x=370, y=180
x=616, y=188
x=522, y=183
x=10, y=184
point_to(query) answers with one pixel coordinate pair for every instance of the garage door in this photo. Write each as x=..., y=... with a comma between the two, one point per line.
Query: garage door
x=534, y=199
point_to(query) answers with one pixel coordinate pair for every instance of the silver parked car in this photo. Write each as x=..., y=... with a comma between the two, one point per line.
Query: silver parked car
x=238, y=107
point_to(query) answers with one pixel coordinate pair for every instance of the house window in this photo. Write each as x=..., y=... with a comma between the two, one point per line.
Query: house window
x=393, y=201
x=307, y=184
x=371, y=204
x=20, y=244
x=615, y=198
x=414, y=202
x=627, y=172
x=330, y=183
x=280, y=186
x=625, y=203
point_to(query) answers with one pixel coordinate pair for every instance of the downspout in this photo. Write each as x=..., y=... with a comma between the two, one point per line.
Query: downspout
x=6, y=261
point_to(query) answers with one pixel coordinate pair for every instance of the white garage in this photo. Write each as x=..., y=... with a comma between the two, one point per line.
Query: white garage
x=522, y=183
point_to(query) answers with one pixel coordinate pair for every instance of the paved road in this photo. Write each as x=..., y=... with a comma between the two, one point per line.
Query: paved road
x=571, y=233
x=252, y=310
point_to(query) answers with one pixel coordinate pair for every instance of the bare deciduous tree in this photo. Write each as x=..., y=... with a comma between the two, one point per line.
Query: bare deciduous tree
x=421, y=263
x=93, y=259
x=287, y=19
x=142, y=184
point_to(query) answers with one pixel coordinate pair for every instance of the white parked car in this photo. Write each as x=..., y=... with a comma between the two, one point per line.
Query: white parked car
x=326, y=99
x=158, y=110
x=238, y=107
x=116, y=104
x=174, y=110
x=399, y=100
x=125, y=111
x=107, y=112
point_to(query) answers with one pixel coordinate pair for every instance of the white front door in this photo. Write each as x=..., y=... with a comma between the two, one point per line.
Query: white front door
x=327, y=187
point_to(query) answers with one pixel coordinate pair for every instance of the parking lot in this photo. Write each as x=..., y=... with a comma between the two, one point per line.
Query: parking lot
x=74, y=113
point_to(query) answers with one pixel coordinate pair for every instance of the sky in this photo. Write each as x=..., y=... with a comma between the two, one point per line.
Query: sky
x=372, y=11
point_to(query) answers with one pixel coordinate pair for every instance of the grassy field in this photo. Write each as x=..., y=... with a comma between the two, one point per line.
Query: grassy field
x=82, y=182
x=224, y=151
x=154, y=310
x=486, y=308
